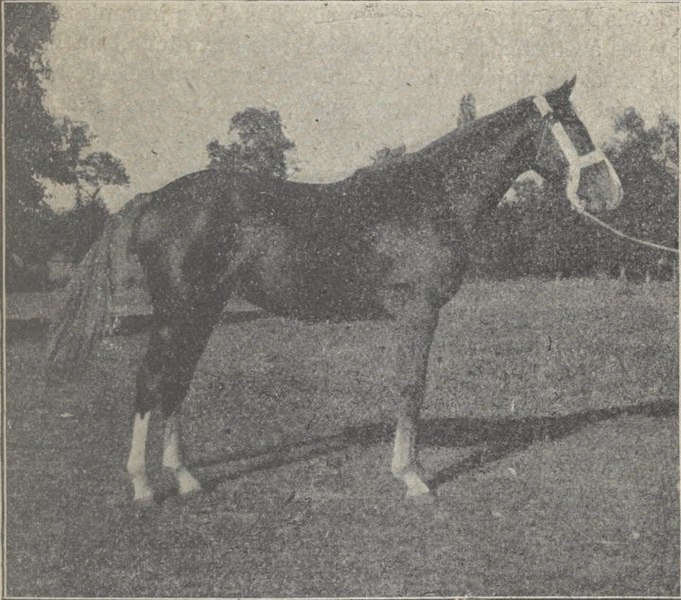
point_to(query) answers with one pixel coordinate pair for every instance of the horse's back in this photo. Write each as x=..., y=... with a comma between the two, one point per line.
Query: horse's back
x=305, y=250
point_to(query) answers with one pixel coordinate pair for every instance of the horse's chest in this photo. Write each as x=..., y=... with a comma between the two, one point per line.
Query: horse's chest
x=415, y=254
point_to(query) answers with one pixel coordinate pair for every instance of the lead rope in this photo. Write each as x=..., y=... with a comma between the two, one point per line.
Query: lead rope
x=621, y=234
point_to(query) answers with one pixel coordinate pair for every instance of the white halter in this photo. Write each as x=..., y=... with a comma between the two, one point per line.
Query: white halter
x=575, y=162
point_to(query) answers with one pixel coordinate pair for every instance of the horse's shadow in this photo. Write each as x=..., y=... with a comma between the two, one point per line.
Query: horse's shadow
x=494, y=439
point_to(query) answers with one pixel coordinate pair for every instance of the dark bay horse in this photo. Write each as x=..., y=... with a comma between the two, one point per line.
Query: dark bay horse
x=390, y=242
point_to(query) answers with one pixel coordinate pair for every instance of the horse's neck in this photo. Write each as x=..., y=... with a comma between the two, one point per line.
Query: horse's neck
x=481, y=166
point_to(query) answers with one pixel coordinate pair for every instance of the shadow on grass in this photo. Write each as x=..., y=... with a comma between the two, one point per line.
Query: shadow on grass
x=26, y=329
x=499, y=437
x=37, y=328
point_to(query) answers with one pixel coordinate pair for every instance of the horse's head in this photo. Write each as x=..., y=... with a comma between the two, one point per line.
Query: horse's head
x=566, y=155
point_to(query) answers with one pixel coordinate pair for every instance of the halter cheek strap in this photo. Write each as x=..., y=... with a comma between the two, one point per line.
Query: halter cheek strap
x=576, y=162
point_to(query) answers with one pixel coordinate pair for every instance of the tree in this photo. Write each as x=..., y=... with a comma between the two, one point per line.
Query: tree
x=96, y=170
x=467, y=109
x=40, y=147
x=31, y=134
x=562, y=242
x=646, y=160
x=535, y=232
x=387, y=155
x=79, y=227
x=260, y=148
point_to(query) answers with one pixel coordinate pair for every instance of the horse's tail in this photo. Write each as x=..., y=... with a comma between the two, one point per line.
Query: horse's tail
x=86, y=312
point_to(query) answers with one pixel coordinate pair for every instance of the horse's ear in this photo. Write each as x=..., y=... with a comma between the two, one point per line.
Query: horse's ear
x=568, y=86
x=562, y=94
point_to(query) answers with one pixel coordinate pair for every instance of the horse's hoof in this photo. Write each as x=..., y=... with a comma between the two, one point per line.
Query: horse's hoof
x=143, y=507
x=190, y=495
x=143, y=495
x=144, y=499
x=416, y=487
x=424, y=498
x=187, y=484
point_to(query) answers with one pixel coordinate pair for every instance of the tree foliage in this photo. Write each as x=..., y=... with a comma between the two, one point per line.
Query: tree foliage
x=32, y=138
x=80, y=227
x=95, y=171
x=260, y=148
x=386, y=155
x=646, y=160
x=41, y=147
x=535, y=234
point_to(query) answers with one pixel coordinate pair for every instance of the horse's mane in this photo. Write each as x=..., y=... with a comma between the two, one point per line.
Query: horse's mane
x=461, y=141
x=470, y=134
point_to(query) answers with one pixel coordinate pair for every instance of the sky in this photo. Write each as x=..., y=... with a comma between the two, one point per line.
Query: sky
x=157, y=81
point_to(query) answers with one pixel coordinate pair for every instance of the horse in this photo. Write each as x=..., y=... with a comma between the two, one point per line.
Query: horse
x=389, y=242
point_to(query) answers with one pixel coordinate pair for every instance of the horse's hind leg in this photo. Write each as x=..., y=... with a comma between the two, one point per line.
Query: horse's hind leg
x=177, y=342
x=172, y=456
x=136, y=466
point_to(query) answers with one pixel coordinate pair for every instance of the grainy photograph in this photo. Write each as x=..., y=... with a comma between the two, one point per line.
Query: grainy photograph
x=340, y=299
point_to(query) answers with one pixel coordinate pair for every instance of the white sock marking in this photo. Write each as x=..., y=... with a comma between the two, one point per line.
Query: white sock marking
x=172, y=456
x=137, y=459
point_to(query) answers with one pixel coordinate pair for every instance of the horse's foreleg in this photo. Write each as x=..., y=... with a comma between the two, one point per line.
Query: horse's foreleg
x=415, y=335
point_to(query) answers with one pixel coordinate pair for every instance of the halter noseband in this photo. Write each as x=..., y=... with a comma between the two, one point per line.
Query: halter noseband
x=576, y=162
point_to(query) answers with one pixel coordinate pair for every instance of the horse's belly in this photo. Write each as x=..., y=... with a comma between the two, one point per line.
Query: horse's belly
x=266, y=266
x=309, y=295
x=285, y=276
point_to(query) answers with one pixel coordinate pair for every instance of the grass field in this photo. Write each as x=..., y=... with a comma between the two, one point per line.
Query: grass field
x=550, y=432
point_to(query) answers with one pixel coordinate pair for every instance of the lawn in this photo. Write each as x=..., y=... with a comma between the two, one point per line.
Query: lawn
x=550, y=432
